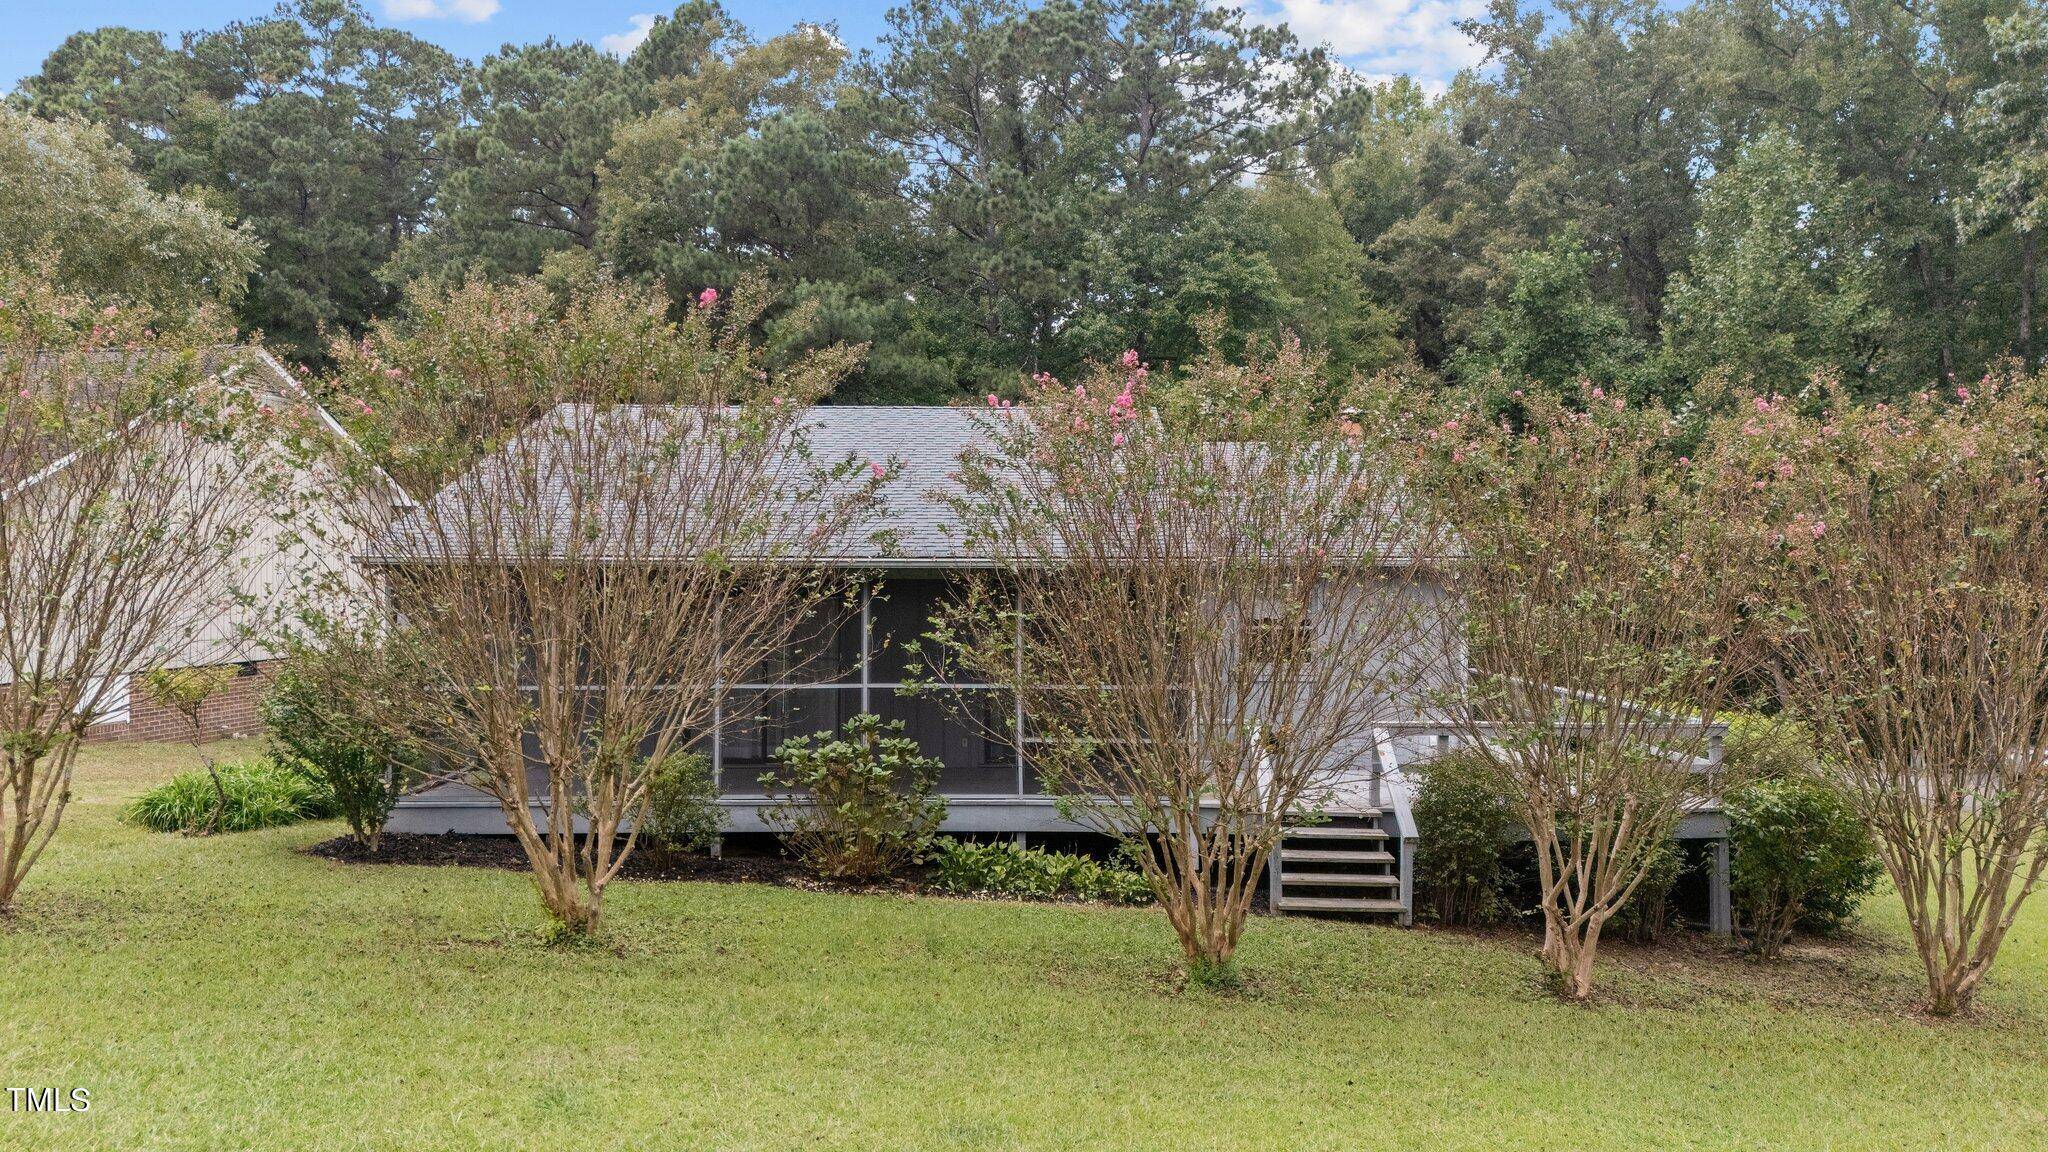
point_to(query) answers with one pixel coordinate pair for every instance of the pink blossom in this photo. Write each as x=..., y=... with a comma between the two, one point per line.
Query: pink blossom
x=394, y=373
x=24, y=394
x=1963, y=394
x=1820, y=529
x=1130, y=357
x=1599, y=393
x=877, y=469
x=110, y=310
x=1117, y=440
x=993, y=402
x=707, y=297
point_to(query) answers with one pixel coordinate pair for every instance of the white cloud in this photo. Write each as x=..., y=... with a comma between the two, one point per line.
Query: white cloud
x=467, y=11
x=1383, y=37
x=623, y=43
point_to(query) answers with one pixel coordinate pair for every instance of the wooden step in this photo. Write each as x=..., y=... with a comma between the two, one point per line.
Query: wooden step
x=1326, y=832
x=1335, y=856
x=1338, y=855
x=1336, y=904
x=1335, y=879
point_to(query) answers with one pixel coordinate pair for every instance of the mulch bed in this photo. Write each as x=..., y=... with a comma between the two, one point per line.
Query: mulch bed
x=454, y=850
x=748, y=865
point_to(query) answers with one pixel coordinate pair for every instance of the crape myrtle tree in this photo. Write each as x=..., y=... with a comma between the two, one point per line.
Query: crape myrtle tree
x=127, y=488
x=1908, y=619
x=1602, y=624
x=619, y=515
x=1204, y=616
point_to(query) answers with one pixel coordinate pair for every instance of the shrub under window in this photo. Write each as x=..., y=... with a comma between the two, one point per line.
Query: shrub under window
x=858, y=806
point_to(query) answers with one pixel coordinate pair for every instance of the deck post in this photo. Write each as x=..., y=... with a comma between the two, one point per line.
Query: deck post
x=1407, y=867
x=1720, y=910
x=1379, y=768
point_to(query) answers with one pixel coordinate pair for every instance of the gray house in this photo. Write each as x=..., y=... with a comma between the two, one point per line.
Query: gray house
x=1358, y=860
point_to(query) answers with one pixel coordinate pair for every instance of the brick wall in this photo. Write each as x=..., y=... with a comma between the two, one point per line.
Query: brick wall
x=233, y=711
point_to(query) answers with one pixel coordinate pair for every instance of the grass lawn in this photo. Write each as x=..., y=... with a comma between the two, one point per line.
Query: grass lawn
x=234, y=992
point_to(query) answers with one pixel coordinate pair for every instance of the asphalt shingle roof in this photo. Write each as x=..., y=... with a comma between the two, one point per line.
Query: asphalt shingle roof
x=912, y=527
x=926, y=444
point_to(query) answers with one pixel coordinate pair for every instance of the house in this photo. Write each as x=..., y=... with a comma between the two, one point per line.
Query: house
x=296, y=544
x=1359, y=860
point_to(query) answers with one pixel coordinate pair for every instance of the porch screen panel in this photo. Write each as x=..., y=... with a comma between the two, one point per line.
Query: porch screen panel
x=759, y=720
x=965, y=729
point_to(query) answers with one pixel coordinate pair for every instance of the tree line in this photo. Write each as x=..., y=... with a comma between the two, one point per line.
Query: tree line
x=1643, y=194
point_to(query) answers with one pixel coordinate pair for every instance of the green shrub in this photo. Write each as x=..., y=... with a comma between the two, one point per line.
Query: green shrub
x=1462, y=824
x=1007, y=870
x=260, y=794
x=1799, y=854
x=362, y=767
x=682, y=804
x=857, y=807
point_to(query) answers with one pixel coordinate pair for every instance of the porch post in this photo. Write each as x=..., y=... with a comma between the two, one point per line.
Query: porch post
x=1720, y=909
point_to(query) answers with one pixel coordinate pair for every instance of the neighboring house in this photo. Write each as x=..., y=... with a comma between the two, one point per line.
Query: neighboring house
x=1359, y=860
x=300, y=544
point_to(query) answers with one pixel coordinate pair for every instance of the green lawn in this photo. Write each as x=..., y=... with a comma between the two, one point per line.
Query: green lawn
x=235, y=993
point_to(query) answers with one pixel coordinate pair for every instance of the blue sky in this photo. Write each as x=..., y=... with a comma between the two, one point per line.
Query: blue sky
x=1374, y=37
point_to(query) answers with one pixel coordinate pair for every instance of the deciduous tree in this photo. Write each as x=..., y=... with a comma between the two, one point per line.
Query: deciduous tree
x=619, y=512
x=1603, y=615
x=1909, y=626
x=127, y=487
x=1204, y=617
x=66, y=184
x=1781, y=284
